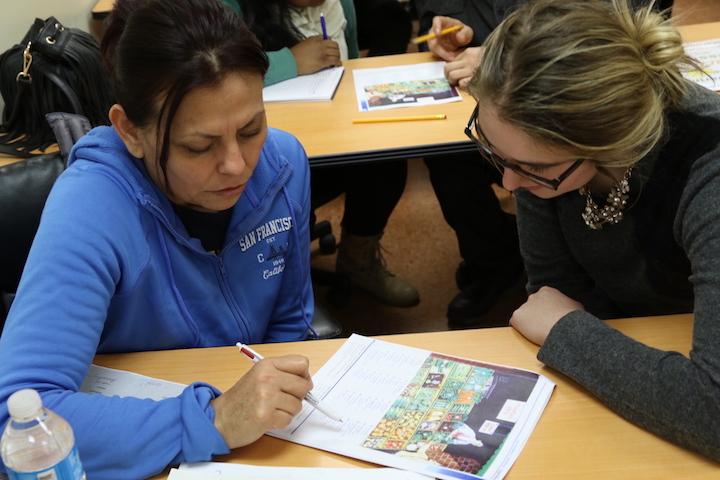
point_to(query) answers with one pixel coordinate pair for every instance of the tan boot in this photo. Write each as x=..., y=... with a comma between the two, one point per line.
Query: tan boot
x=361, y=260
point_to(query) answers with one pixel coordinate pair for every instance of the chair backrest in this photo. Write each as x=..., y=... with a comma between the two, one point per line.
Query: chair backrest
x=24, y=188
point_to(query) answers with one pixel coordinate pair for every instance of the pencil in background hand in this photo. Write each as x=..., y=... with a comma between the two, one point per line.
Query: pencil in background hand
x=430, y=36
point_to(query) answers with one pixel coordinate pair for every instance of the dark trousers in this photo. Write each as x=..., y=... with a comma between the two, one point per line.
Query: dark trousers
x=384, y=26
x=487, y=236
x=371, y=192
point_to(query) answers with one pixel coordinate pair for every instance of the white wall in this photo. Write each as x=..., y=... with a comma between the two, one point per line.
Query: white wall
x=16, y=16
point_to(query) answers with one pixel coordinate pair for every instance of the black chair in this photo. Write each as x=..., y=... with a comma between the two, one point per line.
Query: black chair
x=24, y=187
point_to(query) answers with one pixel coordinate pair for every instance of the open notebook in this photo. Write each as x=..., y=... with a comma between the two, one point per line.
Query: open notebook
x=305, y=88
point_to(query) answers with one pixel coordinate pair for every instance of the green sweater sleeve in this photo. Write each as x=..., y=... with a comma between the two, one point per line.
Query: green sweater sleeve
x=282, y=66
x=351, y=29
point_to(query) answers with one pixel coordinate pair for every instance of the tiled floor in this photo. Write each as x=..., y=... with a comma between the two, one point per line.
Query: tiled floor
x=421, y=247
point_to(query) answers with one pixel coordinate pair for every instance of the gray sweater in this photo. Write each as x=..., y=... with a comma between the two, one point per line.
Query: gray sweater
x=662, y=258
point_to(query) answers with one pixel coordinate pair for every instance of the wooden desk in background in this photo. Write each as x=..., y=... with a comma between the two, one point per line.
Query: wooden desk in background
x=6, y=159
x=102, y=9
x=326, y=130
x=577, y=437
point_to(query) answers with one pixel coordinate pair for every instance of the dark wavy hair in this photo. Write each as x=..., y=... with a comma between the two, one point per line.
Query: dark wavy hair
x=270, y=21
x=159, y=50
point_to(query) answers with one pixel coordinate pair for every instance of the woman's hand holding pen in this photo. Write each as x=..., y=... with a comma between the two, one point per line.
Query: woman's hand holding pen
x=265, y=398
x=449, y=46
x=543, y=309
x=314, y=54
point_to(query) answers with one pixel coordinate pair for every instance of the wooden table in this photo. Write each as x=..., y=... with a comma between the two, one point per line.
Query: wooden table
x=6, y=159
x=102, y=9
x=577, y=437
x=326, y=130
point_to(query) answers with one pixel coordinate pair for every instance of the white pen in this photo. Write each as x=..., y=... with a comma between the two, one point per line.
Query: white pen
x=310, y=398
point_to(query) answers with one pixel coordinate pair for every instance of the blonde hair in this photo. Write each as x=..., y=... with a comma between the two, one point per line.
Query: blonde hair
x=591, y=76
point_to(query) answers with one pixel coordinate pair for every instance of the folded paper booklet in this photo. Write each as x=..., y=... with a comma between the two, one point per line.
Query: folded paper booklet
x=414, y=85
x=441, y=416
x=305, y=88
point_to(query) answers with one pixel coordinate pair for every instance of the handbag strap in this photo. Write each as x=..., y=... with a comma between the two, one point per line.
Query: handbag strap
x=64, y=88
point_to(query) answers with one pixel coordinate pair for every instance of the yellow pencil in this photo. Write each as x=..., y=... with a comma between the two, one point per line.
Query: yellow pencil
x=409, y=118
x=430, y=36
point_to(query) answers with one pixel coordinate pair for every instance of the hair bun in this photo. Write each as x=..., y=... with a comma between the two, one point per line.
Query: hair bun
x=659, y=47
x=660, y=43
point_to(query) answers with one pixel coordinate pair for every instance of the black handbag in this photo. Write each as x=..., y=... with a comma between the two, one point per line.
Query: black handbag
x=53, y=69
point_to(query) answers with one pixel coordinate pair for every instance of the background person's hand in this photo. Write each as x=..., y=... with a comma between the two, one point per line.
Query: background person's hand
x=460, y=71
x=451, y=45
x=314, y=54
x=543, y=309
x=265, y=398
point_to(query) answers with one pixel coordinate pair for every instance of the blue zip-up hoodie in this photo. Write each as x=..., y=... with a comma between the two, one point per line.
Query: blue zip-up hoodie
x=113, y=269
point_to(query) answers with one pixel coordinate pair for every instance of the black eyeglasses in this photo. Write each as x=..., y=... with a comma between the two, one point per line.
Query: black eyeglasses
x=501, y=164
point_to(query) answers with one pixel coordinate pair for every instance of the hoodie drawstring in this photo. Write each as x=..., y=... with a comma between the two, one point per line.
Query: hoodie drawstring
x=304, y=267
x=176, y=291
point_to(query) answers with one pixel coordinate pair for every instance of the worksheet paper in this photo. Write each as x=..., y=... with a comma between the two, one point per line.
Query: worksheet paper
x=414, y=85
x=421, y=411
x=109, y=381
x=232, y=471
x=707, y=53
x=305, y=88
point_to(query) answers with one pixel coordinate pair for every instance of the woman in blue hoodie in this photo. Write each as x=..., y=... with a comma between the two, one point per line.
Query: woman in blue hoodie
x=183, y=225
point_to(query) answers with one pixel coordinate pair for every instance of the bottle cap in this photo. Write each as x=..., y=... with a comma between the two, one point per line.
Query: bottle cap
x=24, y=405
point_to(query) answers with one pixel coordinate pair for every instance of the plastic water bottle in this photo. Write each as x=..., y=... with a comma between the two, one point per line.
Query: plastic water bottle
x=38, y=444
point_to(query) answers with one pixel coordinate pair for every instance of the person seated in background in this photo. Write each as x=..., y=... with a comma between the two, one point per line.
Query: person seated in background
x=291, y=33
x=615, y=162
x=183, y=225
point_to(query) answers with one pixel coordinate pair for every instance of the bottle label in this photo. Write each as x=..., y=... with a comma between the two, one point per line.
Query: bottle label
x=69, y=468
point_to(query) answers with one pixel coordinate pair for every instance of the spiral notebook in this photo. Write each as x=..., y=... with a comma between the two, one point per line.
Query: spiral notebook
x=316, y=87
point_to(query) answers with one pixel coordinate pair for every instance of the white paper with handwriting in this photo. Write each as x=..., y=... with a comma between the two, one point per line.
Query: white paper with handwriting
x=109, y=381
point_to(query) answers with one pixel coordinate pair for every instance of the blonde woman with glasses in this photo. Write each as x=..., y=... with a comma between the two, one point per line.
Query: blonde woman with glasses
x=615, y=161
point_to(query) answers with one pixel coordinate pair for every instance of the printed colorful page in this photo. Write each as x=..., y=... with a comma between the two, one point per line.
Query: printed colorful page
x=441, y=416
x=413, y=85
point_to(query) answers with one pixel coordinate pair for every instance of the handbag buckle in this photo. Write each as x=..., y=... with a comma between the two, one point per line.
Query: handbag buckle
x=24, y=75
